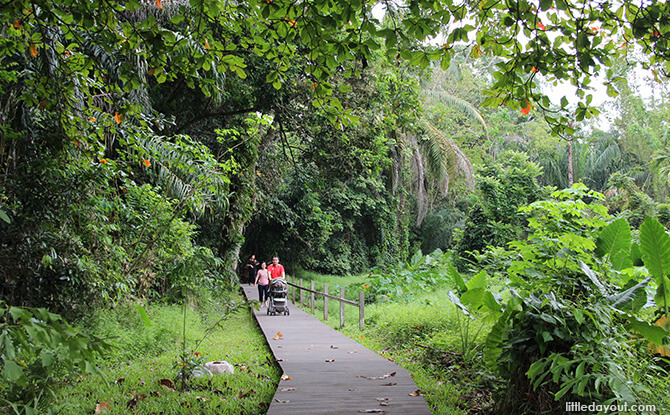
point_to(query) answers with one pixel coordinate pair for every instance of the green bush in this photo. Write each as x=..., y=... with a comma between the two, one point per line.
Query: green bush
x=38, y=348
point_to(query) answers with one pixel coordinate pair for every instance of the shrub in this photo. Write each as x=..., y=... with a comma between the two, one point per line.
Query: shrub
x=37, y=348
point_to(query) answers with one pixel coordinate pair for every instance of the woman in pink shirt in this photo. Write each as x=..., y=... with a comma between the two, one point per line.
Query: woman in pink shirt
x=263, y=283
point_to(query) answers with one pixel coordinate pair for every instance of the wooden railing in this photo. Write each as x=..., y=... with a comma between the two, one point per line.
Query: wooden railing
x=360, y=304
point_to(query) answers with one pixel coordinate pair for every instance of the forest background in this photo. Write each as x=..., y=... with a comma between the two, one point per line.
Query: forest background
x=148, y=147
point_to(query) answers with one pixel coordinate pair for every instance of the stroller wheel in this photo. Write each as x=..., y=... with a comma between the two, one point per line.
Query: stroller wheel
x=268, y=311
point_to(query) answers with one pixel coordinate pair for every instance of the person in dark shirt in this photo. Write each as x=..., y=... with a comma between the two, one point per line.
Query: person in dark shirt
x=252, y=266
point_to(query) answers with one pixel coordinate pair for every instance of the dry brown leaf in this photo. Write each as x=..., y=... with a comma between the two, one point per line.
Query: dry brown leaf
x=330, y=360
x=120, y=380
x=278, y=336
x=372, y=411
x=102, y=407
x=389, y=384
x=287, y=389
x=415, y=393
x=167, y=383
x=285, y=377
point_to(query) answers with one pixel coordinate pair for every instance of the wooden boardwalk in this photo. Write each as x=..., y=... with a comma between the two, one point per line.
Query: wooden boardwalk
x=329, y=372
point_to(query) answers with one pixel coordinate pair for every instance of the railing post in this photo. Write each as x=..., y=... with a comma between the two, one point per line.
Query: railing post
x=341, y=307
x=361, y=310
x=302, y=300
x=293, y=291
x=325, y=302
x=311, y=297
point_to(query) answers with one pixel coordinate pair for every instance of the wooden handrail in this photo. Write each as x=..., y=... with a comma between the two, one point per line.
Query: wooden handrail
x=360, y=303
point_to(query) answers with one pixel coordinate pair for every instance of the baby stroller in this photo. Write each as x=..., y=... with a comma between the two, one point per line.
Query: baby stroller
x=278, y=297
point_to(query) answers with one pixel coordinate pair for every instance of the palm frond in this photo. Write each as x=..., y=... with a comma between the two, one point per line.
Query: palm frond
x=460, y=104
x=453, y=161
x=187, y=175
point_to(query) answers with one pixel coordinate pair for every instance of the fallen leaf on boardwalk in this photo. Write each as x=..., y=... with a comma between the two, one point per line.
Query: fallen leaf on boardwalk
x=415, y=393
x=355, y=351
x=282, y=400
x=280, y=360
x=383, y=404
x=330, y=360
x=167, y=383
x=382, y=399
x=351, y=390
x=388, y=375
x=372, y=411
x=333, y=347
x=389, y=384
x=102, y=407
x=278, y=336
x=287, y=389
x=285, y=377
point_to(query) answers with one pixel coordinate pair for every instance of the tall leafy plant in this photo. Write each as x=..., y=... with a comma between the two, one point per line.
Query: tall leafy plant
x=564, y=334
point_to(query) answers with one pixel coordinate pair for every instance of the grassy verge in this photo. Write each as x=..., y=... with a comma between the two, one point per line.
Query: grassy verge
x=427, y=336
x=141, y=373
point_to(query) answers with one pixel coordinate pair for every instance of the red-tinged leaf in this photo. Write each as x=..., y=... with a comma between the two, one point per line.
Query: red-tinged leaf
x=526, y=110
x=118, y=117
x=33, y=50
x=167, y=383
x=541, y=26
x=120, y=380
x=330, y=360
x=102, y=407
x=17, y=24
x=333, y=347
x=158, y=3
x=148, y=164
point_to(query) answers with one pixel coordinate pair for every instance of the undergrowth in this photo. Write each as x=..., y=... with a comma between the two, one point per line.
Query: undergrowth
x=141, y=374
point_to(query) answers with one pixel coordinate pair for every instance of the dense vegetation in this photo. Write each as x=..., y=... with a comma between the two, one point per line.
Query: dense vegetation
x=147, y=147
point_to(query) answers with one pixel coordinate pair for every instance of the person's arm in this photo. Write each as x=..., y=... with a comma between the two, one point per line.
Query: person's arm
x=257, y=275
x=283, y=273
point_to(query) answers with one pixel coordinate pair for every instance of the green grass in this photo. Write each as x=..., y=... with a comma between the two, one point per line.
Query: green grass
x=147, y=355
x=425, y=336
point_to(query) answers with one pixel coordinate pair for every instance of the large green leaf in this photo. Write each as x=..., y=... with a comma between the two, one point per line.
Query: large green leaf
x=456, y=276
x=613, y=238
x=477, y=281
x=653, y=334
x=633, y=298
x=655, y=248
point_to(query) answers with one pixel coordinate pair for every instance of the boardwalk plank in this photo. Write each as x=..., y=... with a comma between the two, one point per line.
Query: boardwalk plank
x=331, y=373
